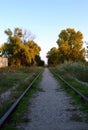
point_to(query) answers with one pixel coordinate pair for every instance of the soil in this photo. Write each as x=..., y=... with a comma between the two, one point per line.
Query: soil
x=52, y=108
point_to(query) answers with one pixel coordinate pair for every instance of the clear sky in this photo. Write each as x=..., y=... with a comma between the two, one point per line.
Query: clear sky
x=44, y=18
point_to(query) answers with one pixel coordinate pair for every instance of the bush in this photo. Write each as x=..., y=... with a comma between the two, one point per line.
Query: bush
x=75, y=69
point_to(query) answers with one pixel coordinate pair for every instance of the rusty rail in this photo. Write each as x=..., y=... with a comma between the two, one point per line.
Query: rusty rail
x=12, y=108
x=75, y=90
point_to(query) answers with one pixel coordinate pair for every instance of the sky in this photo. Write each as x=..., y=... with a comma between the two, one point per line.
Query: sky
x=44, y=19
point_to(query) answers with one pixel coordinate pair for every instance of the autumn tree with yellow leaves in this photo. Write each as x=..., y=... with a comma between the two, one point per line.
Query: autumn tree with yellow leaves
x=70, y=47
x=53, y=56
x=19, y=49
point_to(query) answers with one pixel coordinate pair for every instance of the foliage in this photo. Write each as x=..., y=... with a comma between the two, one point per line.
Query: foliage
x=39, y=61
x=52, y=56
x=78, y=70
x=19, y=49
x=70, y=47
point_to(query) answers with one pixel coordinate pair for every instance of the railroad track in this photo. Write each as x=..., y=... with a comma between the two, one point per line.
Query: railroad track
x=72, y=87
x=8, y=113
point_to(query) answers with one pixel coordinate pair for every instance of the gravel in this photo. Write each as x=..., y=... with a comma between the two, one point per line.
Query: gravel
x=52, y=109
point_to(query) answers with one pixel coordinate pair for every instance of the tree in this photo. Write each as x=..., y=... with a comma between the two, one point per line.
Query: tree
x=70, y=45
x=38, y=60
x=33, y=50
x=19, y=49
x=53, y=56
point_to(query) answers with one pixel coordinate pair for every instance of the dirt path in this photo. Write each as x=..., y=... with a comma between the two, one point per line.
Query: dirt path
x=52, y=109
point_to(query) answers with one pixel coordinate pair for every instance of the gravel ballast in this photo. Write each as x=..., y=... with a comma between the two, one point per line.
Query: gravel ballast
x=52, y=108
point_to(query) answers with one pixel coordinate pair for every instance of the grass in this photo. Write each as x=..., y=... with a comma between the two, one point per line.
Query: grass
x=76, y=99
x=80, y=87
x=12, y=76
x=76, y=117
x=20, y=115
x=75, y=69
x=69, y=72
x=19, y=90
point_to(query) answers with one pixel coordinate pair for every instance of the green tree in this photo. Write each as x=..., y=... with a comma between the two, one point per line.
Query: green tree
x=70, y=45
x=38, y=60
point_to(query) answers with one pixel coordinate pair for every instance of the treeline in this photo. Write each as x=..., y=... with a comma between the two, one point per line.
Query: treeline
x=70, y=48
x=20, y=50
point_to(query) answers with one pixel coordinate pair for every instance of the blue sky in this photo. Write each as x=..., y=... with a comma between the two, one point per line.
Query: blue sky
x=44, y=18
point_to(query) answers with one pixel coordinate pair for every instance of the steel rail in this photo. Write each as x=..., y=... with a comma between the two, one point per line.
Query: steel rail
x=14, y=105
x=75, y=90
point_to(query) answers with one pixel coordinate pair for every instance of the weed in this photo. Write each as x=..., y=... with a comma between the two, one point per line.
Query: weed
x=76, y=70
x=20, y=114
